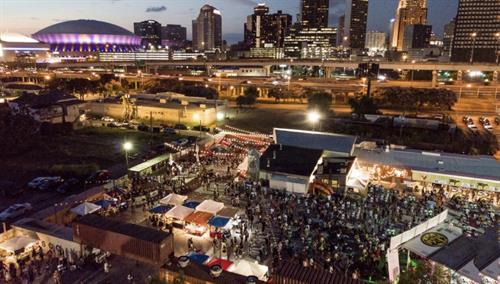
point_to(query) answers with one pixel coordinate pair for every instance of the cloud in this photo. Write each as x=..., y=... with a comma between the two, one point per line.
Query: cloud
x=156, y=9
x=246, y=2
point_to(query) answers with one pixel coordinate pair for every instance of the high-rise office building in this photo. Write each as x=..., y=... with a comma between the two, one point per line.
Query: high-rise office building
x=409, y=12
x=207, y=29
x=310, y=43
x=449, y=31
x=356, y=17
x=416, y=36
x=340, y=33
x=150, y=33
x=314, y=13
x=375, y=41
x=267, y=29
x=173, y=36
x=476, y=28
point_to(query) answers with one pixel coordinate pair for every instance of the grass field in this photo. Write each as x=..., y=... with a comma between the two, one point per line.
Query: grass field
x=79, y=153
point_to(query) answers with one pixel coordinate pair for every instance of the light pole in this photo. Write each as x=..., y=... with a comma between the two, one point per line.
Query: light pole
x=497, y=35
x=127, y=146
x=314, y=117
x=473, y=35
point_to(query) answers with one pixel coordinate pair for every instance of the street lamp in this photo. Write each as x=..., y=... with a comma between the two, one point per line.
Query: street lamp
x=220, y=116
x=313, y=117
x=127, y=146
x=474, y=36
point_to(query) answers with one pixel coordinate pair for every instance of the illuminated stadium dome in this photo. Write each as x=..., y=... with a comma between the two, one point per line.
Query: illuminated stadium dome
x=88, y=36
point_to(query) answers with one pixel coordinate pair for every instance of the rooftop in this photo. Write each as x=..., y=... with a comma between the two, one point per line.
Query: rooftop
x=85, y=27
x=290, y=160
x=460, y=165
x=128, y=229
x=332, y=142
x=45, y=100
x=291, y=272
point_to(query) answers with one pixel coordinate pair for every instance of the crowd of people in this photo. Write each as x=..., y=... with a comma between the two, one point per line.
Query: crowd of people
x=346, y=233
x=41, y=262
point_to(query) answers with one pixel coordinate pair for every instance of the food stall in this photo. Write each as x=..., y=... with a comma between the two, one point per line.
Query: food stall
x=17, y=248
x=177, y=215
x=191, y=203
x=217, y=225
x=173, y=199
x=85, y=208
x=197, y=222
x=210, y=206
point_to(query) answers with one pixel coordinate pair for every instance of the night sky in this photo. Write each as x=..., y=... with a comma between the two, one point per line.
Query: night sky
x=29, y=16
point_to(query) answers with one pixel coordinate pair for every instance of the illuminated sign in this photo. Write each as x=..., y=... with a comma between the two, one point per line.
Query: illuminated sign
x=434, y=239
x=1, y=50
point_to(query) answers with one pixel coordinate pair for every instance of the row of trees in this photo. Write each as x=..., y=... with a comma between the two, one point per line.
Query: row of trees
x=190, y=89
x=413, y=99
x=106, y=85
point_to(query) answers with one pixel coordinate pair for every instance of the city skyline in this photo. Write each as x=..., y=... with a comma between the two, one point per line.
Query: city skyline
x=41, y=15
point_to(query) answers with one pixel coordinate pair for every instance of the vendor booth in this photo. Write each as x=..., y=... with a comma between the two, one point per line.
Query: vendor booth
x=249, y=268
x=17, y=245
x=217, y=225
x=178, y=214
x=173, y=199
x=85, y=208
x=197, y=222
x=161, y=209
x=210, y=206
x=191, y=203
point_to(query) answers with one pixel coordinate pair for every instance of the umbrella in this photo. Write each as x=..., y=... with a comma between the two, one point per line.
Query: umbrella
x=161, y=209
x=191, y=204
x=198, y=257
x=224, y=263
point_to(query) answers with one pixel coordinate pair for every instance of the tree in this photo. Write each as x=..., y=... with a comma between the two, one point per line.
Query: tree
x=251, y=92
x=112, y=88
x=364, y=104
x=241, y=101
x=319, y=100
x=413, y=99
x=277, y=94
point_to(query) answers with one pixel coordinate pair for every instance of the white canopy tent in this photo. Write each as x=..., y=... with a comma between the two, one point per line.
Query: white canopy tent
x=173, y=199
x=179, y=212
x=85, y=208
x=17, y=243
x=210, y=206
x=248, y=268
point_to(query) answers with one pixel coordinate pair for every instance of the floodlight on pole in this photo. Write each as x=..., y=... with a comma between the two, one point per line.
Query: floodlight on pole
x=127, y=146
x=313, y=117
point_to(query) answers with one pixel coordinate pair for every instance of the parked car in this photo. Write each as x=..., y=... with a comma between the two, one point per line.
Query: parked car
x=15, y=211
x=180, y=127
x=169, y=131
x=45, y=183
x=201, y=128
x=99, y=177
x=68, y=185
